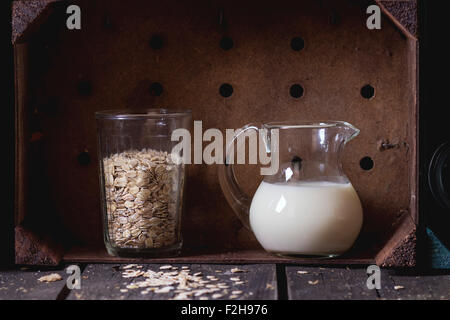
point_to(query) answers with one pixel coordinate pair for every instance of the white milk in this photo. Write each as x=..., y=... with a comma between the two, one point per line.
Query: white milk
x=309, y=218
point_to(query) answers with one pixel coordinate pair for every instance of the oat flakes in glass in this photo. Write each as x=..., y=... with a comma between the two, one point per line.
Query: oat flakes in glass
x=141, y=181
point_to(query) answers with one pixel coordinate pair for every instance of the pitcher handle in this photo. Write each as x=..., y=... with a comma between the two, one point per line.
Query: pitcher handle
x=238, y=199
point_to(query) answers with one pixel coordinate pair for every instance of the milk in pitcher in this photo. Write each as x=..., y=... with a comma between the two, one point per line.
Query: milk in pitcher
x=306, y=218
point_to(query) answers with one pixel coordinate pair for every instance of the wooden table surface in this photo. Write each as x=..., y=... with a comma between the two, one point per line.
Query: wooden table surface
x=258, y=281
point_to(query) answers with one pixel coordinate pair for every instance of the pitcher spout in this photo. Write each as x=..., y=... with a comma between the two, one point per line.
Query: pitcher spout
x=350, y=131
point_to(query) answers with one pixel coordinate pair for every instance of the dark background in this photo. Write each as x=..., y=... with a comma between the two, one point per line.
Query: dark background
x=434, y=120
x=434, y=107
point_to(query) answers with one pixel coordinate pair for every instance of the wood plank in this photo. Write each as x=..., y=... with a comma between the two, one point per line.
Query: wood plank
x=406, y=286
x=314, y=283
x=105, y=282
x=96, y=255
x=24, y=285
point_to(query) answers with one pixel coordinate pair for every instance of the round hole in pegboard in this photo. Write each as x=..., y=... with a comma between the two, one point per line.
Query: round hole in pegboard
x=107, y=22
x=296, y=91
x=84, y=88
x=156, y=41
x=297, y=43
x=334, y=18
x=226, y=90
x=84, y=158
x=109, y=25
x=366, y=163
x=226, y=43
x=368, y=92
x=156, y=89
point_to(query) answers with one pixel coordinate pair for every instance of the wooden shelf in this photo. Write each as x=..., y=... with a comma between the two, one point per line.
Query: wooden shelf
x=89, y=255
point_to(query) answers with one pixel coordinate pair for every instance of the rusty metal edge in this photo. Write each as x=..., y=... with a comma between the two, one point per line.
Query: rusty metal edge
x=31, y=249
x=400, y=250
x=394, y=20
x=26, y=15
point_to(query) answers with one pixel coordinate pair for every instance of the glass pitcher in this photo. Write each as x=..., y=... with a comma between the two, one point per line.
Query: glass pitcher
x=308, y=207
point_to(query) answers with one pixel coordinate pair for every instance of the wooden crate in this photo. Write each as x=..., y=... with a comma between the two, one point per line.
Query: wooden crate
x=124, y=50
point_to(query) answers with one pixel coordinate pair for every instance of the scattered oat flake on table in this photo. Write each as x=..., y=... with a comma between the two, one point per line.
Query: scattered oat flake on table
x=399, y=287
x=269, y=286
x=223, y=286
x=165, y=267
x=180, y=296
x=184, y=267
x=123, y=290
x=164, y=290
x=236, y=270
x=200, y=292
x=219, y=271
x=313, y=282
x=236, y=292
x=50, y=278
x=302, y=272
x=133, y=274
x=233, y=296
x=239, y=282
x=217, y=296
x=129, y=266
